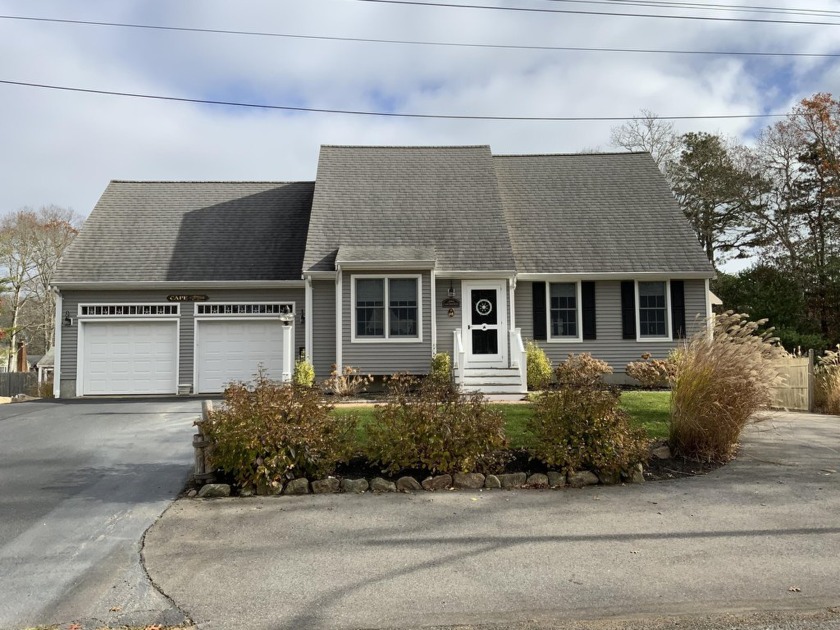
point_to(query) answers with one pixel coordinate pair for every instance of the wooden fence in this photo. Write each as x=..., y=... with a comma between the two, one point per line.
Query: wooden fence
x=796, y=392
x=14, y=383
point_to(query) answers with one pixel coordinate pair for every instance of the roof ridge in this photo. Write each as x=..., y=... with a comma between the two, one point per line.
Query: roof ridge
x=577, y=154
x=208, y=181
x=405, y=146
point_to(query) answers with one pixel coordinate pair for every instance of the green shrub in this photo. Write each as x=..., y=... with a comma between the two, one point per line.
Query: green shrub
x=827, y=382
x=266, y=432
x=539, y=366
x=651, y=372
x=581, y=370
x=304, y=374
x=441, y=367
x=582, y=427
x=347, y=382
x=429, y=426
x=720, y=382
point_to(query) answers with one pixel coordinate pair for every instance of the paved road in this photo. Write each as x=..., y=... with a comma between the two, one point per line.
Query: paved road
x=79, y=484
x=760, y=534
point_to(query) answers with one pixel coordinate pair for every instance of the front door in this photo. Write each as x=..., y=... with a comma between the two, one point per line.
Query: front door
x=485, y=323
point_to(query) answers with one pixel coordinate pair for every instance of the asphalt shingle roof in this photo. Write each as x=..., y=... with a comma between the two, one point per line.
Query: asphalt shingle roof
x=442, y=197
x=594, y=213
x=385, y=254
x=192, y=231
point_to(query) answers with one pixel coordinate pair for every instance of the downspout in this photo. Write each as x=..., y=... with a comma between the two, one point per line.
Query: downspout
x=57, y=344
x=710, y=321
x=433, y=310
x=307, y=328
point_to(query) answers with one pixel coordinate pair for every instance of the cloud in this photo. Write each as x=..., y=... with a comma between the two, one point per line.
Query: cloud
x=63, y=148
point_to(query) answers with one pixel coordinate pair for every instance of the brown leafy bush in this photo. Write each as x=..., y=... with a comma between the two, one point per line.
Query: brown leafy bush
x=582, y=428
x=720, y=382
x=539, y=367
x=651, y=372
x=581, y=370
x=267, y=431
x=827, y=386
x=347, y=382
x=430, y=426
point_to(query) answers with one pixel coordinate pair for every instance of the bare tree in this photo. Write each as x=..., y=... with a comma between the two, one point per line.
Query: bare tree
x=17, y=259
x=649, y=133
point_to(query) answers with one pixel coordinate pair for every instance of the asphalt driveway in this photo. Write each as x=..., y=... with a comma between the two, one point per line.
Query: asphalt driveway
x=761, y=534
x=79, y=484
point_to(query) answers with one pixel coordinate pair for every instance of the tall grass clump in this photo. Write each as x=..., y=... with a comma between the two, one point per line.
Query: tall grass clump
x=827, y=382
x=720, y=382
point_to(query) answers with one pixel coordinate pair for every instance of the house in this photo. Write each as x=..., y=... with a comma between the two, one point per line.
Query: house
x=391, y=255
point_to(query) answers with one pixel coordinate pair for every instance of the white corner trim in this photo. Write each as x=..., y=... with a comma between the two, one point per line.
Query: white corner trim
x=433, y=309
x=59, y=321
x=668, y=326
x=710, y=327
x=512, y=303
x=339, y=297
x=307, y=328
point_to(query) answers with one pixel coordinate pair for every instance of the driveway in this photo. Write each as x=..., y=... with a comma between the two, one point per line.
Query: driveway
x=81, y=482
x=761, y=534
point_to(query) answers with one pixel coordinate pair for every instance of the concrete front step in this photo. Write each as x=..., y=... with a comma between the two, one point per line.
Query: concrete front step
x=501, y=379
x=491, y=372
x=494, y=388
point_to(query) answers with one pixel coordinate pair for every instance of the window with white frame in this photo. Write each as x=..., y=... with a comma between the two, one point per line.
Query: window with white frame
x=387, y=307
x=653, y=309
x=563, y=307
x=128, y=310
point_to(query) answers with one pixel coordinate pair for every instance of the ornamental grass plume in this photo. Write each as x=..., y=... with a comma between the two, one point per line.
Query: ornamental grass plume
x=721, y=381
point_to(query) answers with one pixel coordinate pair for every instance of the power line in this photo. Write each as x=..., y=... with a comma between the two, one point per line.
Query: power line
x=352, y=112
x=368, y=40
x=599, y=13
x=706, y=6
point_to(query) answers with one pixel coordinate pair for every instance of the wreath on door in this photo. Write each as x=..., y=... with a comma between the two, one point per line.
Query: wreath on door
x=484, y=307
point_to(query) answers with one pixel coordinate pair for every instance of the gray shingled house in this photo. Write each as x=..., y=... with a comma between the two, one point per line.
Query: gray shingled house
x=391, y=255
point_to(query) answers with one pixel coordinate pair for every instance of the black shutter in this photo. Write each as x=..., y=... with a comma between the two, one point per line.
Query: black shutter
x=628, y=309
x=538, y=309
x=678, y=308
x=587, y=293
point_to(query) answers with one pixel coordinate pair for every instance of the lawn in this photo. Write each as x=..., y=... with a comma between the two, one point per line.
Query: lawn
x=647, y=409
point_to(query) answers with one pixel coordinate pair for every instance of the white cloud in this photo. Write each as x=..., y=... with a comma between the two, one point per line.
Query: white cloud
x=63, y=148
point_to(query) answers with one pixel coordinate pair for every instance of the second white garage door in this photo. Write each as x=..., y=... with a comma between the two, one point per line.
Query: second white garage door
x=232, y=351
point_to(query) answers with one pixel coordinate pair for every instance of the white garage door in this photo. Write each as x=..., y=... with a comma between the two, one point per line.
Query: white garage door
x=233, y=350
x=129, y=358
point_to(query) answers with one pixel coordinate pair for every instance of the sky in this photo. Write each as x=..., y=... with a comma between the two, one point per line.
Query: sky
x=62, y=147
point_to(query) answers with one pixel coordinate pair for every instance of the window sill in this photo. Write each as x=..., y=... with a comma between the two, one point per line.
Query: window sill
x=654, y=339
x=383, y=340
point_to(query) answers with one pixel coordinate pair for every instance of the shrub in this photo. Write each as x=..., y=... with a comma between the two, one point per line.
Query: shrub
x=348, y=382
x=267, y=431
x=429, y=426
x=827, y=382
x=539, y=366
x=581, y=426
x=651, y=372
x=582, y=370
x=304, y=374
x=720, y=382
x=441, y=368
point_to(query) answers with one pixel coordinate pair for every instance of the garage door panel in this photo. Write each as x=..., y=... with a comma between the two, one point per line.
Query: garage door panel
x=233, y=351
x=129, y=358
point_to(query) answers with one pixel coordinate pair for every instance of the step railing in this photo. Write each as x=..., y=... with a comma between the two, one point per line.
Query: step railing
x=459, y=359
x=518, y=357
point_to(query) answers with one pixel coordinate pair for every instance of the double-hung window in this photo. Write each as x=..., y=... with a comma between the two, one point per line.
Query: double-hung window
x=564, y=311
x=387, y=308
x=653, y=310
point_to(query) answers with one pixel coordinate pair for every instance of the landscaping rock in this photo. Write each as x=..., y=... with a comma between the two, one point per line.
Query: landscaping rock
x=440, y=482
x=297, y=486
x=214, y=491
x=469, y=481
x=378, y=484
x=662, y=452
x=492, y=482
x=326, y=486
x=538, y=480
x=556, y=479
x=246, y=492
x=609, y=479
x=638, y=474
x=512, y=480
x=192, y=493
x=269, y=489
x=354, y=485
x=408, y=484
x=583, y=478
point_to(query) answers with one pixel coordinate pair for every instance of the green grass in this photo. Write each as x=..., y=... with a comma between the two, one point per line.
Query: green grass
x=647, y=409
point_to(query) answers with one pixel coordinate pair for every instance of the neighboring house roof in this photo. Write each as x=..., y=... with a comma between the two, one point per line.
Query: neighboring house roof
x=34, y=359
x=48, y=360
x=192, y=231
x=594, y=213
x=442, y=197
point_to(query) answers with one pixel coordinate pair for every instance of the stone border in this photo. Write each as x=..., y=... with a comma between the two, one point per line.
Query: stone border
x=458, y=481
